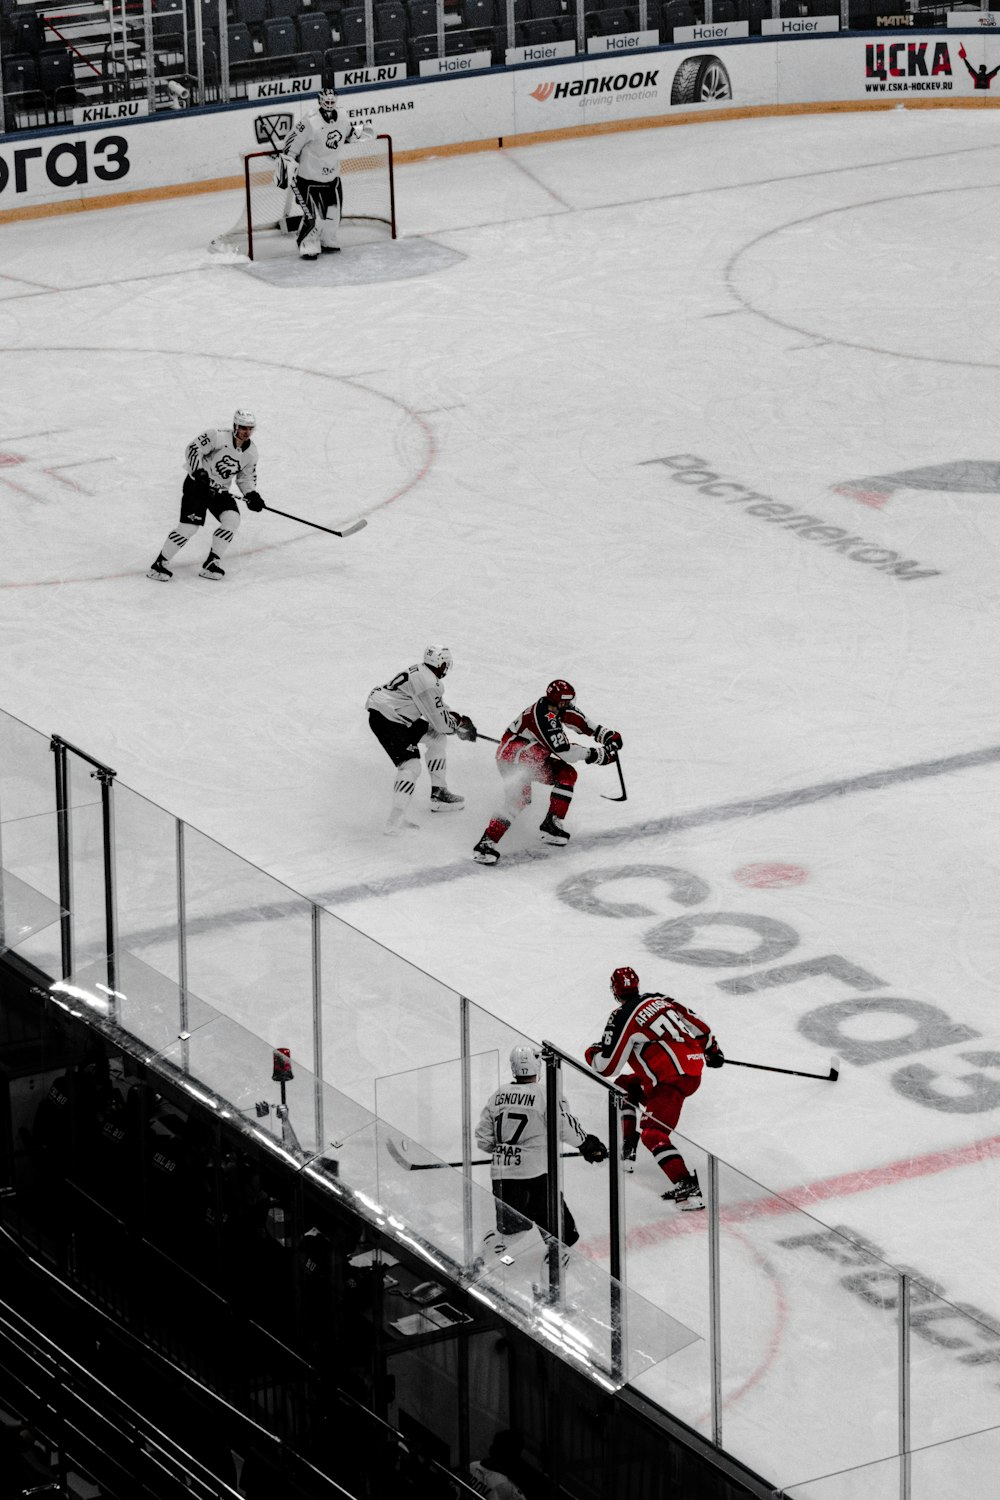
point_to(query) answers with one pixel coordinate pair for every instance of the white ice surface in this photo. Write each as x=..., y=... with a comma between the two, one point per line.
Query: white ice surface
x=801, y=304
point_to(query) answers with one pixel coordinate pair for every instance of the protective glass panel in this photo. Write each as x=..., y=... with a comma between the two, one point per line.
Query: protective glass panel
x=249, y=944
x=146, y=880
x=788, y=1298
x=954, y=1349
x=27, y=771
x=24, y=910
x=955, y=1468
x=381, y=1015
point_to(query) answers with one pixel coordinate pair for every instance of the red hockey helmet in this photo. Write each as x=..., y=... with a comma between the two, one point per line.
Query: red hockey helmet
x=561, y=693
x=624, y=984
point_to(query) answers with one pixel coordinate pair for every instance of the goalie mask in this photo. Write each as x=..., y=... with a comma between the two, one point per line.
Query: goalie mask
x=328, y=105
x=438, y=658
x=523, y=1063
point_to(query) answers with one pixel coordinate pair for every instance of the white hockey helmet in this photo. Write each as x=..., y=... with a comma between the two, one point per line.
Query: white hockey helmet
x=244, y=418
x=328, y=104
x=438, y=658
x=523, y=1062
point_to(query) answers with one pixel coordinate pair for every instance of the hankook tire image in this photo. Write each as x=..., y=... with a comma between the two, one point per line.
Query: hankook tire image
x=699, y=79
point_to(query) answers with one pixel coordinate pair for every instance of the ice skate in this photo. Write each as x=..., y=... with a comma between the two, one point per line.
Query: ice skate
x=630, y=1144
x=552, y=830
x=486, y=852
x=397, y=822
x=160, y=571
x=211, y=568
x=442, y=799
x=493, y=1245
x=686, y=1194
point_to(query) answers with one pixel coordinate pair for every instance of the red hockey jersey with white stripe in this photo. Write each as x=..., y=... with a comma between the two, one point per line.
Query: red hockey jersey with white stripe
x=541, y=724
x=655, y=1037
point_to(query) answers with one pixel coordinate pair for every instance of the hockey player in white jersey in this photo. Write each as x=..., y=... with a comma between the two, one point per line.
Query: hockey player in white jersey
x=214, y=459
x=406, y=712
x=512, y=1130
x=310, y=161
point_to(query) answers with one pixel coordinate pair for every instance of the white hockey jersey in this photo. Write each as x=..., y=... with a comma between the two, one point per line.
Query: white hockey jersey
x=512, y=1129
x=316, y=144
x=216, y=452
x=412, y=695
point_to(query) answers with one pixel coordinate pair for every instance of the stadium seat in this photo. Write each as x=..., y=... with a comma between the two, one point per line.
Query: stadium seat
x=725, y=10
x=20, y=79
x=240, y=44
x=341, y=60
x=607, y=22
x=422, y=48
x=537, y=33
x=26, y=33
x=678, y=13
x=314, y=32
x=250, y=12
x=353, y=31
x=422, y=17
x=477, y=13
x=392, y=23
x=280, y=37
x=391, y=52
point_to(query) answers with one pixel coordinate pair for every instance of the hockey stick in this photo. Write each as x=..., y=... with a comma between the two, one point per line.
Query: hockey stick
x=347, y=531
x=487, y=737
x=397, y=1154
x=621, y=779
x=830, y=1077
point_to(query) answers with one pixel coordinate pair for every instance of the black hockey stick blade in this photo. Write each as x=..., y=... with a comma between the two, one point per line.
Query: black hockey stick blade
x=345, y=531
x=830, y=1077
x=621, y=782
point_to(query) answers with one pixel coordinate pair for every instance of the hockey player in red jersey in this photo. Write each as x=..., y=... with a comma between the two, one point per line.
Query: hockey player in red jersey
x=655, y=1048
x=535, y=747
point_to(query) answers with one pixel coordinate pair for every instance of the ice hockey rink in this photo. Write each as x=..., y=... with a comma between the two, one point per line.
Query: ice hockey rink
x=701, y=419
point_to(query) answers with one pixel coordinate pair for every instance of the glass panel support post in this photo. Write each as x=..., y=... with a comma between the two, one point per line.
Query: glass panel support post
x=616, y=1235
x=182, y=951
x=107, y=780
x=714, y=1298
x=553, y=1177
x=317, y=1026
x=64, y=853
x=465, y=1053
x=903, y=1326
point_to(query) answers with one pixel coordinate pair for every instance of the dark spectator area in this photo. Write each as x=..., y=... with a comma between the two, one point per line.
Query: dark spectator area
x=58, y=59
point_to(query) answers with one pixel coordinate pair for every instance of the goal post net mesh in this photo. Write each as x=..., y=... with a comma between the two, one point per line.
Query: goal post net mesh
x=366, y=172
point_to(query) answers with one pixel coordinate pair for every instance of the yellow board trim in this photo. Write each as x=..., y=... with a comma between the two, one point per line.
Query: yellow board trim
x=498, y=143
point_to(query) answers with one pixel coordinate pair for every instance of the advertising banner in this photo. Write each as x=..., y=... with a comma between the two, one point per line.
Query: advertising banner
x=198, y=150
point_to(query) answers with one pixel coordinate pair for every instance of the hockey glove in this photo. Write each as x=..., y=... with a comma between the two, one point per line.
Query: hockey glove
x=713, y=1056
x=285, y=169
x=609, y=737
x=253, y=501
x=599, y=755
x=591, y=1052
x=464, y=727
x=593, y=1150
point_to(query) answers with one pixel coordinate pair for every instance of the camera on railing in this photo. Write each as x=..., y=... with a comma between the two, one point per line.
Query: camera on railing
x=179, y=95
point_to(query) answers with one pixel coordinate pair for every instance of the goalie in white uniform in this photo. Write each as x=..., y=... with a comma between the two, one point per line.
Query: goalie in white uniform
x=403, y=712
x=214, y=459
x=310, y=164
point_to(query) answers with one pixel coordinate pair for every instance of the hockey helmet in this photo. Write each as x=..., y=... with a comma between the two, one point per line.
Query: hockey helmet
x=243, y=418
x=624, y=984
x=438, y=658
x=328, y=104
x=523, y=1063
x=561, y=693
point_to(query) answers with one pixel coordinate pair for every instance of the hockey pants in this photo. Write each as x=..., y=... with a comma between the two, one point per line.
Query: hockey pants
x=321, y=204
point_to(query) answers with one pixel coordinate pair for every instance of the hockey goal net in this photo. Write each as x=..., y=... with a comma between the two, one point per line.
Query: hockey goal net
x=369, y=196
